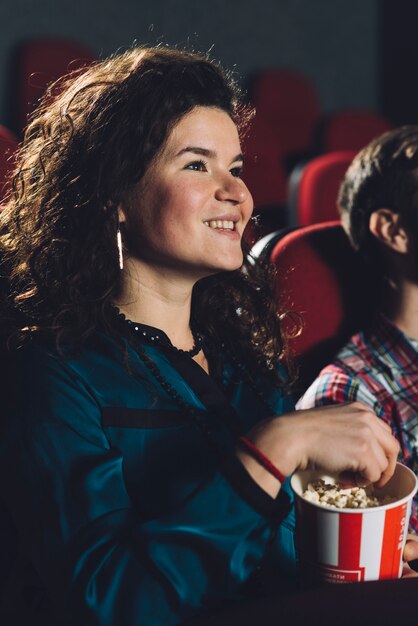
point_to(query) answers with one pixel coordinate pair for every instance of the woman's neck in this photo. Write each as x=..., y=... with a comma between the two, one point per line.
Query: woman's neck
x=157, y=299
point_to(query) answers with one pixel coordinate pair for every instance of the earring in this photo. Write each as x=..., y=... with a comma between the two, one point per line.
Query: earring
x=120, y=249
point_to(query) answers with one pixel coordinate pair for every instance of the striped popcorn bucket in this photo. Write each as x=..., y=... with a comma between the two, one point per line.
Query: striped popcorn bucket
x=352, y=545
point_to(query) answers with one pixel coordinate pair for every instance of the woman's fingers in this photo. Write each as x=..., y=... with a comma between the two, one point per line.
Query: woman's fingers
x=386, y=450
x=345, y=438
x=382, y=423
x=377, y=448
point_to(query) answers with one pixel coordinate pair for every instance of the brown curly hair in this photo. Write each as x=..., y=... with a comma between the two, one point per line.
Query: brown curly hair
x=89, y=142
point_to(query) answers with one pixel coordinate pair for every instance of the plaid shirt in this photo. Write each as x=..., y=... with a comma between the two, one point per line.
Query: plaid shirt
x=381, y=370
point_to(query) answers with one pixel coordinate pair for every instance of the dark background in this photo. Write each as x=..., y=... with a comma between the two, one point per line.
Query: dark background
x=360, y=53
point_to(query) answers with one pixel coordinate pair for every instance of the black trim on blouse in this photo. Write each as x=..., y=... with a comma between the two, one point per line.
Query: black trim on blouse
x=213, y=397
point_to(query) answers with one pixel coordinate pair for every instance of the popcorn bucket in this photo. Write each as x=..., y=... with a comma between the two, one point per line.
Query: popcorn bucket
x=352, y=545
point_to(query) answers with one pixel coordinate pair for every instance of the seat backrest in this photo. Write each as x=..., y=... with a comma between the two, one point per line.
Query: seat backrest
x=288, y=101
x=264, y=171
x=8, y=146
x=40, y=62
x=352, y=129
x=261, y=249
x=321, y=278
x=313, y=188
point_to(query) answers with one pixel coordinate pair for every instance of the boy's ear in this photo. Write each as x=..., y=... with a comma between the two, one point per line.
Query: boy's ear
x=385, y=225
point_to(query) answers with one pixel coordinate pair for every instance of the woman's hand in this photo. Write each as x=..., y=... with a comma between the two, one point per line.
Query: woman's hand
x=410, y=554
x=338, y=438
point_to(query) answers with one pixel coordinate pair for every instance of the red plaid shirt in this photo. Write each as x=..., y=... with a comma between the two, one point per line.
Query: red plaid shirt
x=381, y=370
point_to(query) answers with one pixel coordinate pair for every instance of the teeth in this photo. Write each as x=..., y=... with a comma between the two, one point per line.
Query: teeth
x=223, y=224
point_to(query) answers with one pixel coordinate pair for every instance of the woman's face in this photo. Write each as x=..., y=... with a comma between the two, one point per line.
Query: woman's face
x=188, y=212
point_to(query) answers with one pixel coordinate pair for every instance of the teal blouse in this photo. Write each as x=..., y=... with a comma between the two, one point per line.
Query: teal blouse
x=127, y=512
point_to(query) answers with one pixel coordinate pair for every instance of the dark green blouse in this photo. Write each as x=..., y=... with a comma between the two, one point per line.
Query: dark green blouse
x=129, y=514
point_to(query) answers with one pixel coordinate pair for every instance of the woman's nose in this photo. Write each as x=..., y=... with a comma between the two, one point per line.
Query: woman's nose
x=232, y=189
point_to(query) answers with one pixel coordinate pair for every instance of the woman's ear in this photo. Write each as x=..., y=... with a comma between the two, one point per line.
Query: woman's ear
x=385, y=225
x=121, y=214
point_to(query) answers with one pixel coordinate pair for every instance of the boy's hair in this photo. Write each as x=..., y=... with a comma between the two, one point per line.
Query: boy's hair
x=383, y=175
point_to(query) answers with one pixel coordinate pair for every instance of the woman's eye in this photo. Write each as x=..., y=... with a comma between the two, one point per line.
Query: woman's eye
x=196, y=166
x=237, y=171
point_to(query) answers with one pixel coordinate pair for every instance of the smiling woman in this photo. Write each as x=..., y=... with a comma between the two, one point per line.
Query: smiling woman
x=143, y=457
x=181, y=195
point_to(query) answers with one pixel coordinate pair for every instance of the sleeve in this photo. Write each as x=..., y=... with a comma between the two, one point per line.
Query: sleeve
x=102, y=563
x=335, y=386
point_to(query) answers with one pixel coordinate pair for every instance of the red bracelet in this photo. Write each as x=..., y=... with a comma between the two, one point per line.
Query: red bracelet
x=262, y=459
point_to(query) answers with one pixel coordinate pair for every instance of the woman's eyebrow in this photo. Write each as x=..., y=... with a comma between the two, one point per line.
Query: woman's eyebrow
x=210, y=154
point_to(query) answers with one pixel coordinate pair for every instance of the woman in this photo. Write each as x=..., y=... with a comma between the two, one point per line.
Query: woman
x=144, y=463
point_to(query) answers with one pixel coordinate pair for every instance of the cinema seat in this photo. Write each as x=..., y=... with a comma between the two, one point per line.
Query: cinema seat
x=322, y=279
x=288, y=102
x=40, y=62
x=351, y=129
x=314, y=186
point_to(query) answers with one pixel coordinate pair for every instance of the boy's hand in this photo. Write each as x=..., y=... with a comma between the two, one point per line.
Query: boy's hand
x=410, y=554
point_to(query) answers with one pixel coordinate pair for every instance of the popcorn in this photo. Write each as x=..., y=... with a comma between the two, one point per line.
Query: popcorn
x=339, y=538
x=334, y=495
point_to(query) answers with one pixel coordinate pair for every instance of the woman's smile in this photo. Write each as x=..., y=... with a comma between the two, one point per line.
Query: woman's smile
x=224, y=226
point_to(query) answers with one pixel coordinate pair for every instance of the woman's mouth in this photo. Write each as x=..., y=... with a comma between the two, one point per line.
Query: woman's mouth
x=220, y=224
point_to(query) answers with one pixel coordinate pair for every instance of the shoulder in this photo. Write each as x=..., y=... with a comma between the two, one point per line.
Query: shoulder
x=56, y=391
x=336, y=385
x=351, y=367
x=80, y=385
x=333, y=386
x=357, y=354
x=99, y=363
x=39, y=364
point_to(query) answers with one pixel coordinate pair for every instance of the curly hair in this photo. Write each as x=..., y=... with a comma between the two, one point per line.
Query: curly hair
x=382, y=175
x=89, y=142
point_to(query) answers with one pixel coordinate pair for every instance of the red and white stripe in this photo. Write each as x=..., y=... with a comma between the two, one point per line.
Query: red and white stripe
x=353, y=546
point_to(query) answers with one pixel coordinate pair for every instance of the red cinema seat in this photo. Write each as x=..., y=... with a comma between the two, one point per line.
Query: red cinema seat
x=42, y=61
x=352, y=129
x=287, y=101
x=322, y=279
x=264, y=173
x=313, y=188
